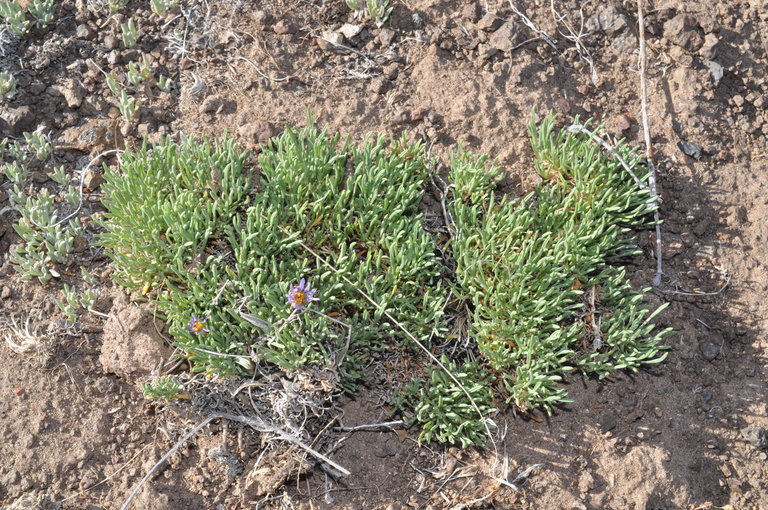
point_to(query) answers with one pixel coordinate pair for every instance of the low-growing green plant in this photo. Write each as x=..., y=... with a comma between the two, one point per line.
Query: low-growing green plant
x=163, y=388
x=164, y=83
x=276, y=272
x=535, y=271
x=88, y=277
x=128, y=106
x=130, y=33
x=75, y=302
x=87, y=299
x=17, y=151
x=442, y=408
x=72, y=195
x=113, y=84
x=40, y=143
x=202, y=233
x=71, y=303
x=114, y=6
x=43, y=11
x=162, y=7
x=378, y=11
x=60, y=175
x=13, y=14
x=17, y=173
x=140, y=72
x=45, y=240
x=7, y=85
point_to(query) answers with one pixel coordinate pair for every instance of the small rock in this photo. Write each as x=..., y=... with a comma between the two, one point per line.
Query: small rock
x=628, y=401
x=110, y=41
x=386, y=36
x=143, y=130
x=36, y=88
x=330, y=40
x=83, y=32
x=5, y=293
x=708, y=50
x=683, y=31
x=738, y=100
x=621, y=123
x=93, y=136
x=503, y=39
x=380, y=85
x=349, y=31
x=489, y=22
x=716, y=70
x=471, y=12
x=80, y=244
x=131, y=55
x=12, y=477
x=486, y=52
x=92, y=179
x=131, y=344
x=284, y=27
x=710, y=346
x=210, y=104
x=263, y=18
x=113, y=57
x=756, y=436
x=691, y=149
x=624, y=42
x=17, y=120
x=258, y=132
x=39, y=177
x=672, y=245
x=607, y=422
x=72, y=92
x=418, y=114
x=401, y=117
x=562, y=106
x=391, y=71
x=609, y=20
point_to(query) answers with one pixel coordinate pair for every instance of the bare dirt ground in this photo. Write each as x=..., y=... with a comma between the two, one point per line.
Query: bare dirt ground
x=75, y=431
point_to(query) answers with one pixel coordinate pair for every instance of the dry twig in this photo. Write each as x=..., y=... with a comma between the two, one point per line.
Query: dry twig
x=530, y=24
x=369, y=426
x=647, y=135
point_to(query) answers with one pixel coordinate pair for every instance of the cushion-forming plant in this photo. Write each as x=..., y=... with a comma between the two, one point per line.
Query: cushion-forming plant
x=277, y=262
x=188, y=224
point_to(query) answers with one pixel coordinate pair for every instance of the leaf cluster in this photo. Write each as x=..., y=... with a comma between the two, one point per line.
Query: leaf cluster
x=536, y=271
x=46, y=241
x=444, y=410
x=184, y=220
x=163, y=388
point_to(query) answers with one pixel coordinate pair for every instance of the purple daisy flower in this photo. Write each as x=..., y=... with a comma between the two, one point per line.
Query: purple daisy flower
x=196, y=324
x=301, y=295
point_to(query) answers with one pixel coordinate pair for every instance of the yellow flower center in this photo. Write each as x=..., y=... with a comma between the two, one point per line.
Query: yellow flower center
x=198, y=326
x=299, y=297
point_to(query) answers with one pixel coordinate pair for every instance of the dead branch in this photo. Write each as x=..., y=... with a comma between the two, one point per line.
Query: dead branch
x=647, y=136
